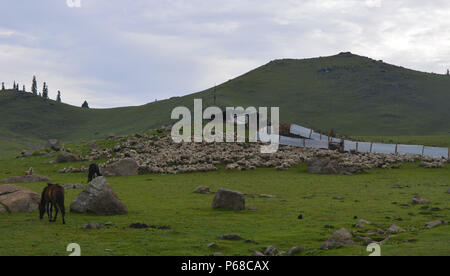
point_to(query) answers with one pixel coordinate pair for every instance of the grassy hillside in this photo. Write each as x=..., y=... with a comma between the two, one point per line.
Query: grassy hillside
x=354, y=95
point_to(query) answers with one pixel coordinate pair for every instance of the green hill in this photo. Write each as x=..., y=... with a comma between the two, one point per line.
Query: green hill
x=352, y=94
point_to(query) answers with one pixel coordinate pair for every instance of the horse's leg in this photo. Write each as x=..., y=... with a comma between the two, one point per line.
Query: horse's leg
x=51, y=211
x=47, y=207
x=63, y=211
x=56, y=211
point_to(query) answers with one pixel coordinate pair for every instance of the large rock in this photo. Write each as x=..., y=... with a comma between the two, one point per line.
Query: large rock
x=329, y=166
x=65, y=157
x=124, y=167
x=339, y=238
x=226, y=199
x=98, y=198
x=27, y=179
x=53, y=144
x=16, y=199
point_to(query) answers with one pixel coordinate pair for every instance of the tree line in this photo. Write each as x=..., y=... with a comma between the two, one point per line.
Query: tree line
x=34, y=90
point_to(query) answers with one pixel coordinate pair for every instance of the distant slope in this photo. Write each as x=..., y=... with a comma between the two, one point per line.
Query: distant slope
x=352, y=94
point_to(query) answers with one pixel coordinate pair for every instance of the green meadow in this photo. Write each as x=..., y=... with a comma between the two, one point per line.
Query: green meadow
x=378, y=196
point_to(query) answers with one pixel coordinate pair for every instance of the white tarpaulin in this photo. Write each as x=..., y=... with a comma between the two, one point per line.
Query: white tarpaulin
x=301, y=131
x=409, y=149
x=288, y=141
x=436, y=152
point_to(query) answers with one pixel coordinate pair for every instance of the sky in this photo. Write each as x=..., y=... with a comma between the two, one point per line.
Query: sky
x=130, y=52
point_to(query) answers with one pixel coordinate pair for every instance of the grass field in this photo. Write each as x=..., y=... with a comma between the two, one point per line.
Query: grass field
x=168, y=200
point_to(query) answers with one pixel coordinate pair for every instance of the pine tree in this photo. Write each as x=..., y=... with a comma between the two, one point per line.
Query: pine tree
x=58, y=98
x=45, y=91
x=34, y=86
x=85, y=104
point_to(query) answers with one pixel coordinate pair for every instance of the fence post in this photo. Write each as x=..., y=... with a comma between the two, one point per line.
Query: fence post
x=448, y=154
x=310, y=134
x=371, y=145
x=396, y=149
x=423, y=151
x=357, y=146
x=304, y=142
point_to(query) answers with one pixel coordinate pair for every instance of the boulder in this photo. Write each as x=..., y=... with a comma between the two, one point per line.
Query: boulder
x=226, y=199
x=329, y=166
x=339, y=238
x=65, y=157
x=98, y=198
x=91, y=225
x=295, y=250
x=230, y=237
x=394, y=229
x=419, y=200
x=53, y=144
x=202, y=190
x=433, y=224
x=271, y=251
x=73, y=186
x=124, y=167
x=27, y=179
x=14, y=199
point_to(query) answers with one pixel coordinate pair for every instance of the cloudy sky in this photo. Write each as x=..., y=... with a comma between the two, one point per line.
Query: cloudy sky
x=130, y=52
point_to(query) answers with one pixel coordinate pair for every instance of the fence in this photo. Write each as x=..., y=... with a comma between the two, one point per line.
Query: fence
x=312, y=139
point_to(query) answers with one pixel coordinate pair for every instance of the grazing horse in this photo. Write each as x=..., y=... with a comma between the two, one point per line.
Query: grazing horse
x=94, y=171
x=53, y=195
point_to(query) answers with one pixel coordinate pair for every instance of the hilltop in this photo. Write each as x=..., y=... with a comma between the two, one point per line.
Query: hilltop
x=352, y=94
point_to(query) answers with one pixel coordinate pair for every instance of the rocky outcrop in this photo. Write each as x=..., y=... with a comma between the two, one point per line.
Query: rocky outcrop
x=15, y=199
x=98, y=198
x=226, y=199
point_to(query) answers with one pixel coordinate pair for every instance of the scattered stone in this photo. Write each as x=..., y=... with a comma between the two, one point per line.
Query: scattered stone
x=15, y=199
x=271, y=251
x=27, y=179
x=338, y=197
x=267, y=196
x=73, y=186
x=91, y=225
x=66, y=157
x=98, y=198
x=202, y=190
x=339, y=238
x=217, y=254
x=295, y=250
x=365, y=240
x=226, y=199
x=139, y=226
x=394, y=229
x=448, y=191
x=419, y=200
x=124, y=167
x=257, y=253
x=252, y=209
x=362, y=223
x=230, y=237
x=212, y=245
x=433, y=224
x=53, y=144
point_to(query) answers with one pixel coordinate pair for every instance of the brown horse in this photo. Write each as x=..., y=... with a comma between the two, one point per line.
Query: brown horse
x=53, y=195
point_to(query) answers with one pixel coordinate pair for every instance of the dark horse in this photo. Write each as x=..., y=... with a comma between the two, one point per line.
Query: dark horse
x=94, y=171
x=53, y=195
